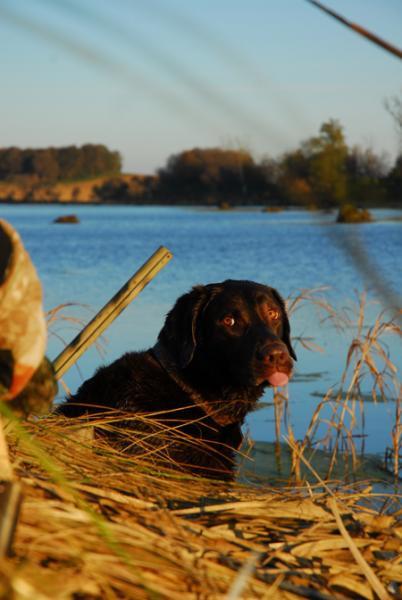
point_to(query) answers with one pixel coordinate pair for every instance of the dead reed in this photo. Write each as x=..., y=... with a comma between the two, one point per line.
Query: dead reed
x=97, y=523
x=100, y=523
x=368, y=370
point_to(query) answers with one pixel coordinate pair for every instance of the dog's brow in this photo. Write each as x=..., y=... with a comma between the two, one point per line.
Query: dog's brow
x=235, y=305
x=264, y=298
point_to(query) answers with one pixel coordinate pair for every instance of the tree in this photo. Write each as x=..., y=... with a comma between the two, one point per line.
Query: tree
x=394, y=182
x=11, y=162
x=366, y=173
x=98, y=160
x=43, y=163
x=70, y=162
x=394, y=179
x=315, y=173
x=327, y=172
x=394, y=107
x=209, y=174
x=293, y=178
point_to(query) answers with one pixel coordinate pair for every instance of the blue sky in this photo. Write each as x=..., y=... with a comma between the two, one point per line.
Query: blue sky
x=152, y=77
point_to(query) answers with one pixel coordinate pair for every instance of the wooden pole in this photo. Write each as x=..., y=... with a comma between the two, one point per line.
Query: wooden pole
x=10, y=497
x=111, y=310
x=10, y=503
x=359, y=29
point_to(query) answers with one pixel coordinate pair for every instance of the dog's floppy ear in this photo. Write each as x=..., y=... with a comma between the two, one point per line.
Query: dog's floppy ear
x=285, y=323
x=178, y=335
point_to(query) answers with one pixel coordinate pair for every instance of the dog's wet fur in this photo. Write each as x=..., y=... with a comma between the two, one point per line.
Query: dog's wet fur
x=185, y=399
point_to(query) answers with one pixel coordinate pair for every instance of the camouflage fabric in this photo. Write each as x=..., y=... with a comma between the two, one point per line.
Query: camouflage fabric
x=22, y=322
x=37, y=396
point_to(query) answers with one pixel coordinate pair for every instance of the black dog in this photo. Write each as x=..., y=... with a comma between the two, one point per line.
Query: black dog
x=186, y=398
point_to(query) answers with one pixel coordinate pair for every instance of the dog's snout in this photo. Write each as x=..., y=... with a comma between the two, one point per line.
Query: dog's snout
x=274, y=355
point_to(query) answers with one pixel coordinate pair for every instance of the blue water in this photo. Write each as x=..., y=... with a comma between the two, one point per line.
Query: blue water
x=86, y=264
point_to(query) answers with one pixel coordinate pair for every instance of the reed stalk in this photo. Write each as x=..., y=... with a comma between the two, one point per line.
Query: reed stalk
x=111, y=310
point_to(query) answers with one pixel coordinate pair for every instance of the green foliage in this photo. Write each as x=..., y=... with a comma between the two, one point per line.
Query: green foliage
x=322, y=172
x=315, y=173
x=328, y=154
x=55, y=164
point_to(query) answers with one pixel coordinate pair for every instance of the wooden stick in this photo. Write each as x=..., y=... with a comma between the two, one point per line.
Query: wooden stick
x=10, y=503
x=110, y=311
x=10, y=497
x=359, y=29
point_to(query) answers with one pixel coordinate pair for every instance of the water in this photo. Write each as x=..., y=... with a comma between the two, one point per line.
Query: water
x=292, y=250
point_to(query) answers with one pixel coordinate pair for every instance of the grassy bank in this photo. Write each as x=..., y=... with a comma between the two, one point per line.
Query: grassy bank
x=132, y=189
x=80, y=191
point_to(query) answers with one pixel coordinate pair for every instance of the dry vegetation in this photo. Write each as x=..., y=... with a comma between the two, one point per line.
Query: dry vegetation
x=81, y=191
x=99, y=524
x=368, y=372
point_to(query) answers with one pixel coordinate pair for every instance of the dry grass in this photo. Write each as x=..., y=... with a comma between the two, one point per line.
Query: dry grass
x=341, y=410
x=99, y=524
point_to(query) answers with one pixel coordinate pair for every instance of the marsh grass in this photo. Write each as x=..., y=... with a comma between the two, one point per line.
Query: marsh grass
x=101, y=522
x=368, y=371
x=61, y=322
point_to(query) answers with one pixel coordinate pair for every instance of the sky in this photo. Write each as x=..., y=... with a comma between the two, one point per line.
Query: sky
x=151, y=78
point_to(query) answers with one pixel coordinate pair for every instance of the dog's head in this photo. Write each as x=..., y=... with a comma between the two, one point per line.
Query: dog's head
x=231, y=333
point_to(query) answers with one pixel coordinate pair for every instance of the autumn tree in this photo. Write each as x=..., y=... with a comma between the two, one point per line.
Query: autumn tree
x=315, y=173
x=42, y=163
x=327, y=155
x=53, y=164
x=11, y=161
x=208, y=174
x=294, y=179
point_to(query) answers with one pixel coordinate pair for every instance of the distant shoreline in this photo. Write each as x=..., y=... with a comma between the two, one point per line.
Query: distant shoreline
x=142, y=190
x=201, y=207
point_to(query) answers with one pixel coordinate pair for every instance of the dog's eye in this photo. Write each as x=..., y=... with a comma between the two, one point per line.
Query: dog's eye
x=229, y=321
x=273, y=314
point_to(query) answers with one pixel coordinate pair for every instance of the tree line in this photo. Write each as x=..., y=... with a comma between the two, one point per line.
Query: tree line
x=322, y=172
x=49, y=165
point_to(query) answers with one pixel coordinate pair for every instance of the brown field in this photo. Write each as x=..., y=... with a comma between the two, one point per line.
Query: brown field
x=75, y=191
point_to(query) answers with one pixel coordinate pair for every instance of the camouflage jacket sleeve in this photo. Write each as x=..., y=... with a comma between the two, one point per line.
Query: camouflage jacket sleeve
x=22, y=321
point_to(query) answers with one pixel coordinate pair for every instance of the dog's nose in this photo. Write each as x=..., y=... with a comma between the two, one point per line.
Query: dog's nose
x=274, y=355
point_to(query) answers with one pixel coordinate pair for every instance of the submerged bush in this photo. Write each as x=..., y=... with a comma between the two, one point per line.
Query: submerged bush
x=351, y=214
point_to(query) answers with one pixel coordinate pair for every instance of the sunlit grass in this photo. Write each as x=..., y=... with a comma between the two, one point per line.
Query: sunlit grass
x=368, y=371
x=102, y=520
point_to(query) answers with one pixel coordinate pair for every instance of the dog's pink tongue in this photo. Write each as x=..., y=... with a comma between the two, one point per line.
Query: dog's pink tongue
x=278, y=379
